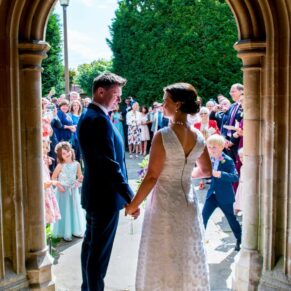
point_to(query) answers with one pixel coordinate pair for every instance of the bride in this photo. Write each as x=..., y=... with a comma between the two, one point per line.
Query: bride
x=171, y=254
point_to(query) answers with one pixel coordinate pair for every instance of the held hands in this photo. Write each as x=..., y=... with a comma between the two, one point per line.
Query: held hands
x=130, y=210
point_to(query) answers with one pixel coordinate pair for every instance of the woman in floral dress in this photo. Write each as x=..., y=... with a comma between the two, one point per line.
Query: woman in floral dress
x=133, y=120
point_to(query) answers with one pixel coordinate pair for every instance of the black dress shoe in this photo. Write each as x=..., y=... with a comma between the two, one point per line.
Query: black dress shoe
x=237, y=246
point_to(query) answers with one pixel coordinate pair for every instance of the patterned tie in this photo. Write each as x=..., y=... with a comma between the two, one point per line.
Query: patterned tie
x=232, y=117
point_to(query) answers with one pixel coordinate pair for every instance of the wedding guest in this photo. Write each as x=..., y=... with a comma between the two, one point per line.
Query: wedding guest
x=75, y=114
x=153, y=118
x=157, y=117
x=206, y=126
x=240, y=124
x=68, y=173
x=85, y=102
x=55, y=101
x=199, y=101
x=125, y=107
x=61, y=99
x=55, y=125
x=239, y=136
x=116, y=118
x=74, y=96
x=133, y=120
x=150, y=121
x=52, y=211
x=219, y=98
x=64, y=133
x=220, y=113
x=44, y=103
x=221, y=193
x=210, y=105
x=233, y=114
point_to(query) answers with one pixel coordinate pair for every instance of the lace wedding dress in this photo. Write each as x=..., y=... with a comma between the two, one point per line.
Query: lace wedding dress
x=171, y=254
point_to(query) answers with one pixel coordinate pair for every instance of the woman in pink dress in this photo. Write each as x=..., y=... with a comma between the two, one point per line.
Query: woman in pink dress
x=52, y=211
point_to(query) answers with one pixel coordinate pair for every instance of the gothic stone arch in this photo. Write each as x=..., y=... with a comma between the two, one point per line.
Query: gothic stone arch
x=264, y=47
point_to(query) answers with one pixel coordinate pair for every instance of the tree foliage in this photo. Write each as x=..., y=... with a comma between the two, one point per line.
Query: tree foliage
x=86, y=73
x=53, y=69
x=158, y=42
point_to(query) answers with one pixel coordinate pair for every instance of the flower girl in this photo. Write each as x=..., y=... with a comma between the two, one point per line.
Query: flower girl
x=68, y=173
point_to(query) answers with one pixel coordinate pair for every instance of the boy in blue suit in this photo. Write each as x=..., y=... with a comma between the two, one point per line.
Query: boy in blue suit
x=221, y=193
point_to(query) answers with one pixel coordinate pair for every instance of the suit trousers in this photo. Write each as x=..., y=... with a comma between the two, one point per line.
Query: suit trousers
x=96, y=248
x=211, y=204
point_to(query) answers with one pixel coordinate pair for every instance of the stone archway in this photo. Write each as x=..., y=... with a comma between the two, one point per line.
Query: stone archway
x=264, y=47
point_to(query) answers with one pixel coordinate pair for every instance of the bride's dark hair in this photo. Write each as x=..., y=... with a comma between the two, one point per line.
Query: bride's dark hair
x=186, y=94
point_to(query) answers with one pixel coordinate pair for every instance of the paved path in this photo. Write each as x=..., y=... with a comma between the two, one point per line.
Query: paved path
x=121, y=272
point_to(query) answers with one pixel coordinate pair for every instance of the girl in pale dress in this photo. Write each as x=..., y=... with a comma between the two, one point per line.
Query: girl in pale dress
x=144, y=130
x=171, y=254
x=68, y=173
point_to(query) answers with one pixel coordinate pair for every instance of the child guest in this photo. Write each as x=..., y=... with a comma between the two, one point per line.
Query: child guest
x=221, y=193
x=68, y=173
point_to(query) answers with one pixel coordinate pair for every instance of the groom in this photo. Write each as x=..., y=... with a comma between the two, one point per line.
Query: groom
x=105, y=188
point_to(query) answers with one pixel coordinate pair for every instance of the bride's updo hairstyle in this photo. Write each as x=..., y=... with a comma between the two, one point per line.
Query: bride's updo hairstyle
x=186, y=94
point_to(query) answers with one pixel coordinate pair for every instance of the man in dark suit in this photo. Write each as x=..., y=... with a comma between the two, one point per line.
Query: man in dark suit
x=221, y=193
x=125, y=108
x=234, y=113
x=105, y=188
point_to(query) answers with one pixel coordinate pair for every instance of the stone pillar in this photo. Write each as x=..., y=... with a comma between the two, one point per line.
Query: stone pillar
x=38, y=261
x=248, y=263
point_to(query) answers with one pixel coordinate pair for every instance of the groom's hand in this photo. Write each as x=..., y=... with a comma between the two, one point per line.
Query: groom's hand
x=130, y=211
x=136, y=213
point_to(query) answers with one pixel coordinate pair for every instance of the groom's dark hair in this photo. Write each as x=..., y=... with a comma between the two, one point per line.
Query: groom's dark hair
x=106, y=80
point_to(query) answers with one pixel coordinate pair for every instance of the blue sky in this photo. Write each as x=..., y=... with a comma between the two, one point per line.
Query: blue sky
x=88, y=22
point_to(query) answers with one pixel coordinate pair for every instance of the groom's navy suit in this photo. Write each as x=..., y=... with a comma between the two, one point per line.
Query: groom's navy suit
x=104, y=192
x=221, y=194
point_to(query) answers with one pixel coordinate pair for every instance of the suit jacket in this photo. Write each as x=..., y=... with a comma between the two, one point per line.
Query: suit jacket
x=62, y=133
x=228, y=121
x=105, y=187
x=222, y=187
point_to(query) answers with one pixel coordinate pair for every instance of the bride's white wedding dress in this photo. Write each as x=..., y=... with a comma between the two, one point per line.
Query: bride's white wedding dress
x=171, y=254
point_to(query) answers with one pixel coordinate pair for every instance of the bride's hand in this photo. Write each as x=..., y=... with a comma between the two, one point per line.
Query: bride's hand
x=134, y=212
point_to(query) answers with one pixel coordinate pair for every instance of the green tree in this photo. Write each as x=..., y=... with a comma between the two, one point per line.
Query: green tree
x=158, y=42
x=53, y=70
x=86, y=73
